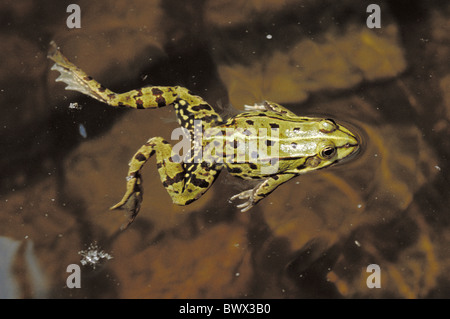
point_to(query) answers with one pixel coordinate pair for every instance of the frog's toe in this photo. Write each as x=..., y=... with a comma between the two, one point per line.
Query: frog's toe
x=243, y=195
x=255, y=107
x=248, y=194
x=131, y=201
x=131, y=205
x=245, y=206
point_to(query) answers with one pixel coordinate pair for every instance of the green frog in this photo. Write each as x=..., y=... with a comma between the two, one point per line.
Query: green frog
x=241, y=144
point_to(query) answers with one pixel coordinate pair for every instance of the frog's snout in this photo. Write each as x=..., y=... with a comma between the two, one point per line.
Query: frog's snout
x=353, y=145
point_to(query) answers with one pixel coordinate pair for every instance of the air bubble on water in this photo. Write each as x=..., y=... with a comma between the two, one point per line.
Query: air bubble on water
x=93, y=256
x=82, y=130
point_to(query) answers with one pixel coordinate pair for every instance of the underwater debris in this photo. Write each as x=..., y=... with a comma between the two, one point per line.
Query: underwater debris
x=93, y=255
x=74, y=106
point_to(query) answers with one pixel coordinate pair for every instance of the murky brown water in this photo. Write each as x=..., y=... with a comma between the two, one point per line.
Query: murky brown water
x=313, y=237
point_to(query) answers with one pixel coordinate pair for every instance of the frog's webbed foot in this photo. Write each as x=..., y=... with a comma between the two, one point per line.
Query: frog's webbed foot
x=131, y=201
x=75, y=78
x=261, y=190
x=249, y=195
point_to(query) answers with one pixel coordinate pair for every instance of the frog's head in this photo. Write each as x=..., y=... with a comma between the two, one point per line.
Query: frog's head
x=324, y=143
x=338, y=144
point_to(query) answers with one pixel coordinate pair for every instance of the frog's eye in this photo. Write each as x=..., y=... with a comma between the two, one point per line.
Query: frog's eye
x=327, y=126
x=327, y=152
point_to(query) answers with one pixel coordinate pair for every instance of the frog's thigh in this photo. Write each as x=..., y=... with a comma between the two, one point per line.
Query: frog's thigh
x=198, y=179
x=168, y=168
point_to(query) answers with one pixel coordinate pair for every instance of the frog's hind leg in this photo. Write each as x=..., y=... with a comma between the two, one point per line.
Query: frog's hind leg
x=188, y=107
x=184, y=182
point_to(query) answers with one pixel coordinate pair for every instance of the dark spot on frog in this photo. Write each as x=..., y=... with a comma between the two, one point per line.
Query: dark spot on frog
x=207, y=168
x=140, y=157
x=209, y=118
x=189, y=201
x=253, y=166
x=199, y=182
x=161, y=101
x=156, y=91
x=273, y=125
x=177, y=178
x=250, y=122
x=270, y=143
x=235, y=170
x=200, y=107
x=139, y=104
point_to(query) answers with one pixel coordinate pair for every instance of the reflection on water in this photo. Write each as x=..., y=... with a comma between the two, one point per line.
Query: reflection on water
x=65, y=156
x=20, y=273
x=9, y=287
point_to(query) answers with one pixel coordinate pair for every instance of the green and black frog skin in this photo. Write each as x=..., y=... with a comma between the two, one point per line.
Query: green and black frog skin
x=295, y=146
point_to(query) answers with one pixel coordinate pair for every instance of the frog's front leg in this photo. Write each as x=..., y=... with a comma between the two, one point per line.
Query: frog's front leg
x=261, y=190
x=185, y=182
